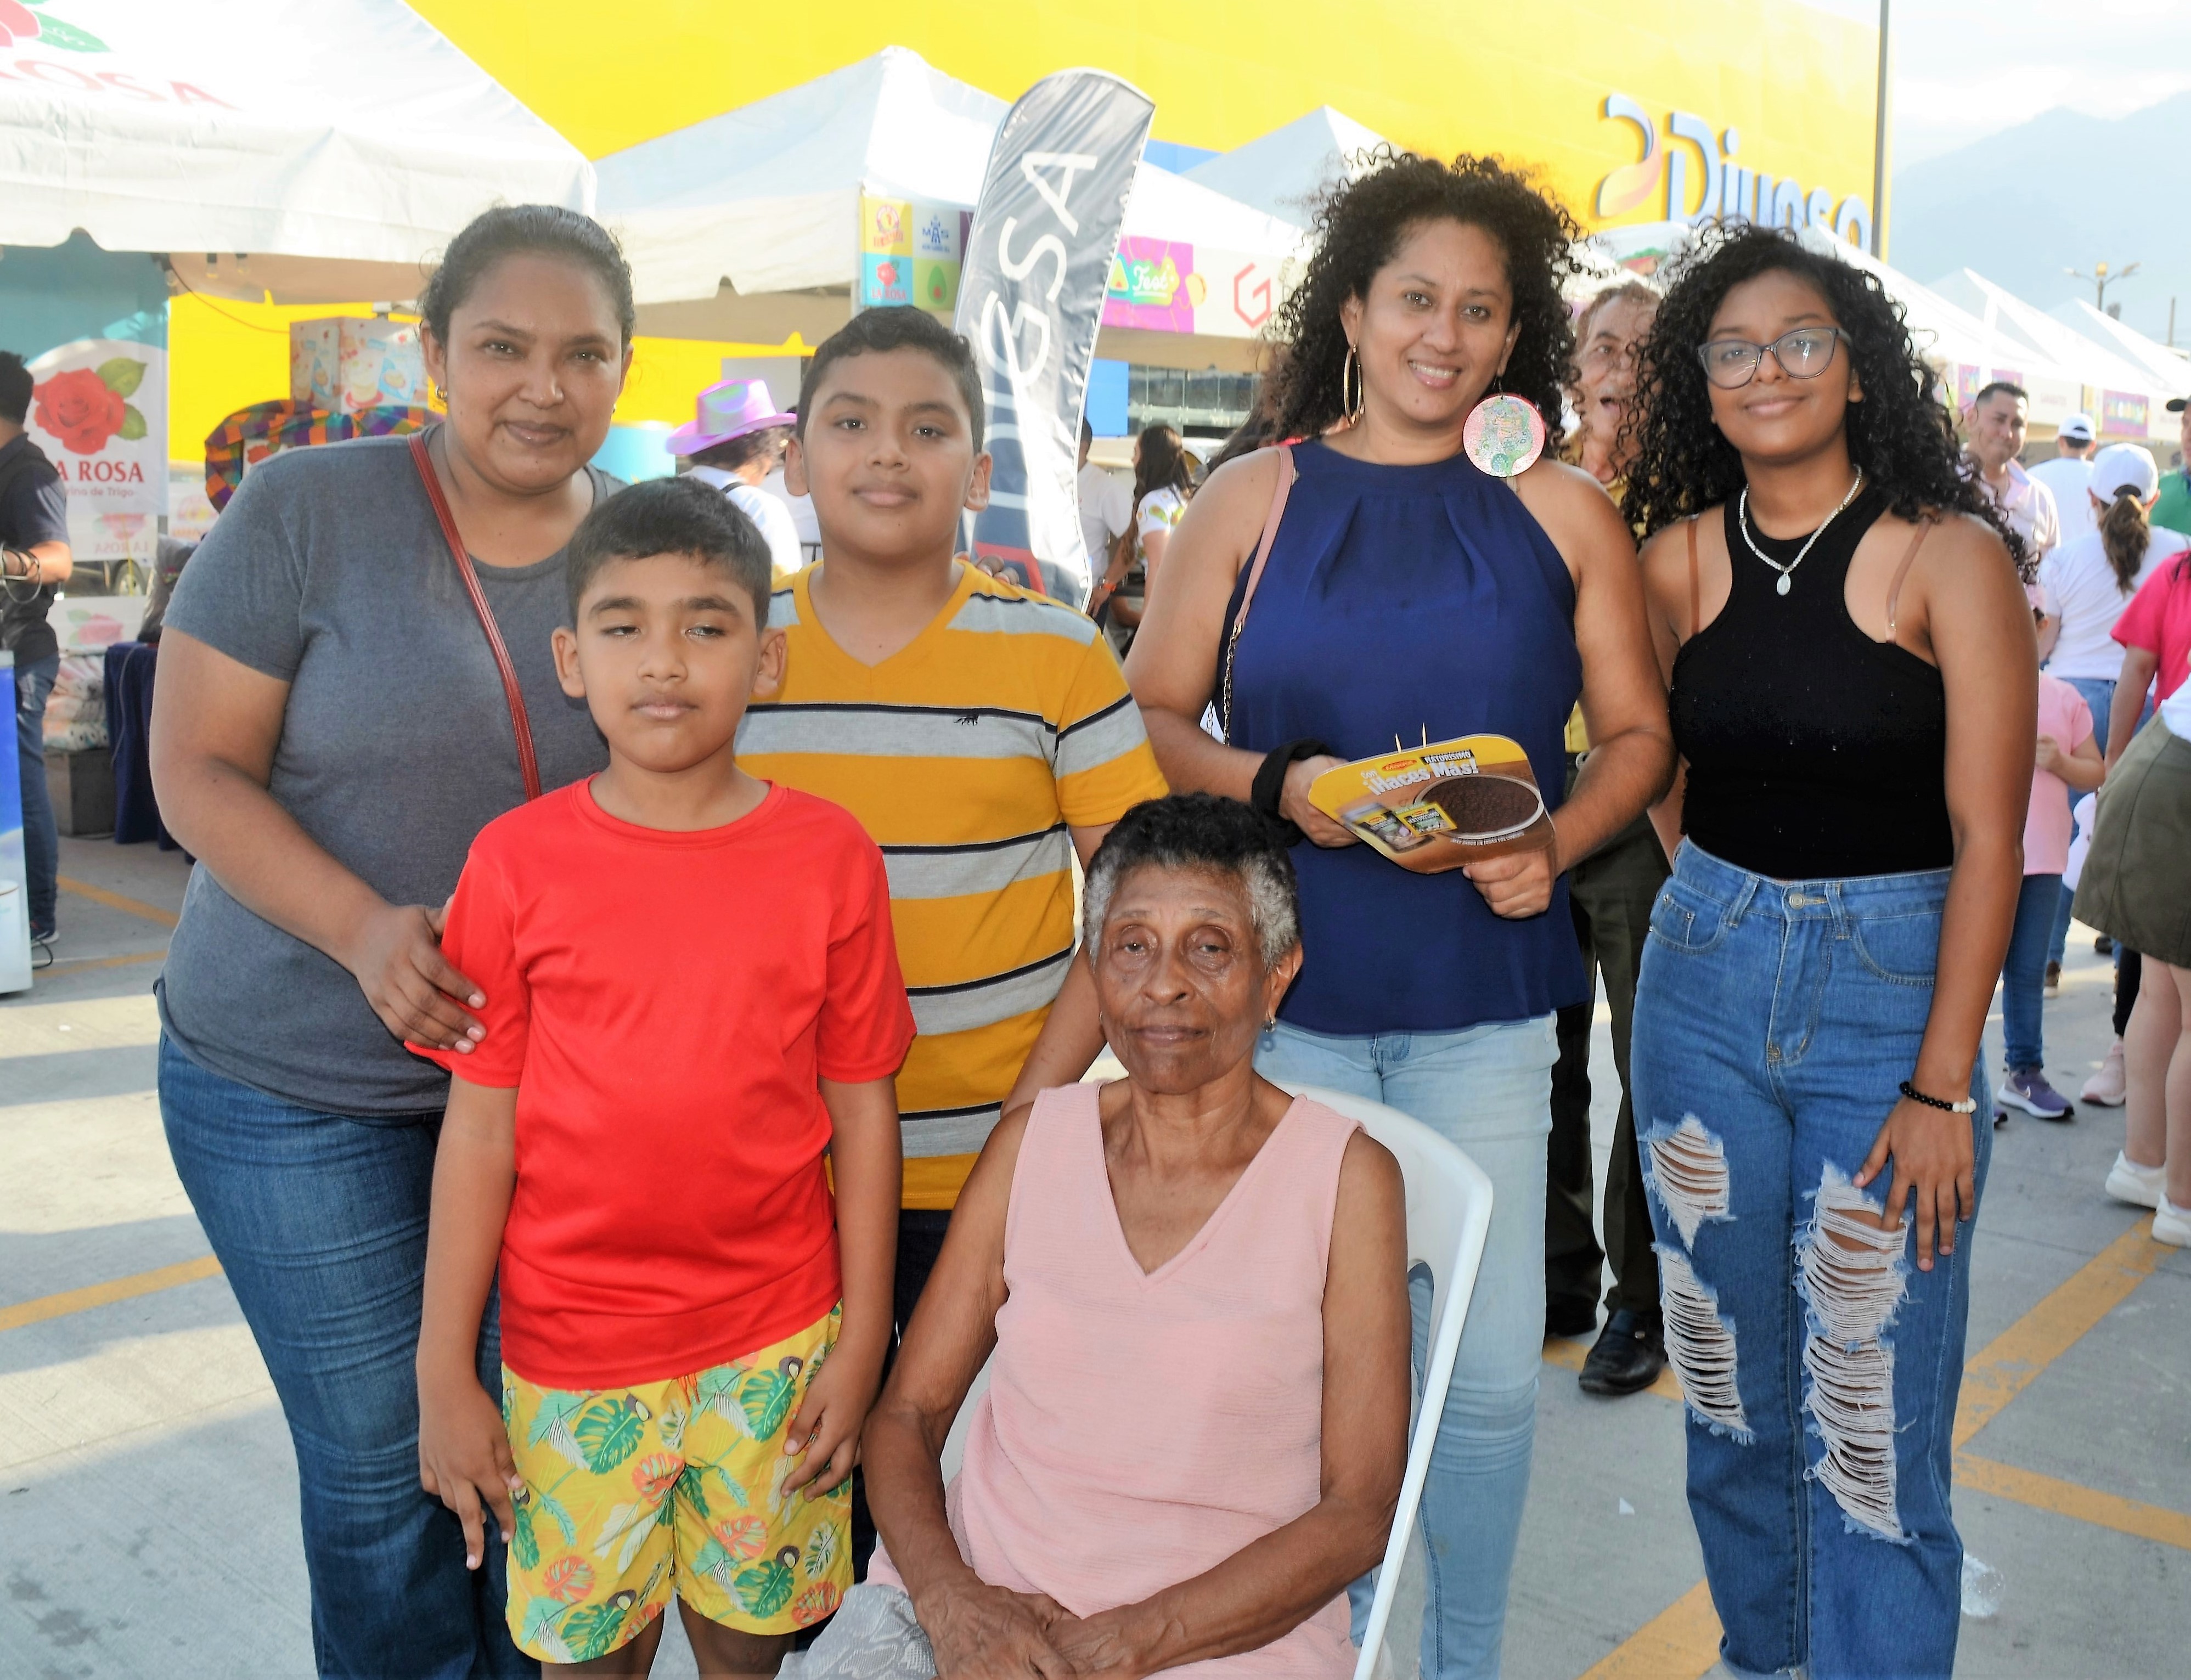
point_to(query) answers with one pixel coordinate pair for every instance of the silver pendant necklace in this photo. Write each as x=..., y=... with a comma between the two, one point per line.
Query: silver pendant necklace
x=1788, y=572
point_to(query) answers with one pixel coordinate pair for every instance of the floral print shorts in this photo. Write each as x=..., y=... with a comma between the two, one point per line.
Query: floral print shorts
x=633, y=1495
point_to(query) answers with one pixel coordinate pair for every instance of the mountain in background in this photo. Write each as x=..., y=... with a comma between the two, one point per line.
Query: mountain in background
x=2063, y=191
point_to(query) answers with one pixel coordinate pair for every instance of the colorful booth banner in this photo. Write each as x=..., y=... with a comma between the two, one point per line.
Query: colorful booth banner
x=910, y=251
x=2125, y=414
x=99, y=410
x=1167, y=286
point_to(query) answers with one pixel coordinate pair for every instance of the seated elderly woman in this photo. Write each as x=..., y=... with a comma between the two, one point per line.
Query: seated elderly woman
x=1195, y=1286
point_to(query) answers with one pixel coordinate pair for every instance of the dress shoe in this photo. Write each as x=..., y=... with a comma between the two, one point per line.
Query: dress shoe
x=1629, y=1354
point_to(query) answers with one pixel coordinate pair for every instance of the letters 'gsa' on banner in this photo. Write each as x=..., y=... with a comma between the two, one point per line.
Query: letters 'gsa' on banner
x=1037, y=264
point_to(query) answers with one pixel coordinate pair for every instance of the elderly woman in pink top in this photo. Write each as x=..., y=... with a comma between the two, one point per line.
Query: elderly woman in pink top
x=1194, y=1287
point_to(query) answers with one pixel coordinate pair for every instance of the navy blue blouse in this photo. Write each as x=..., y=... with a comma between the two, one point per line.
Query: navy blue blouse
x=1412, y=602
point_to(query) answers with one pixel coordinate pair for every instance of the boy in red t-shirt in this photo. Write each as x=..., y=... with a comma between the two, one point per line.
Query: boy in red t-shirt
x=691, y=994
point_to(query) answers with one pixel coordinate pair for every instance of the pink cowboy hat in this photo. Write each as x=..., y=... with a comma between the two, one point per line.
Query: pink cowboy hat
x=730, y=409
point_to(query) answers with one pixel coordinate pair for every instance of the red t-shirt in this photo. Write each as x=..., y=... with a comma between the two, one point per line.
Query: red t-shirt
x=664, y=1004
x=2159, y=620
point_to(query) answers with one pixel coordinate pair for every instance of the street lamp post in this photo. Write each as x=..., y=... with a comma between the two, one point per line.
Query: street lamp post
x=2102, y=278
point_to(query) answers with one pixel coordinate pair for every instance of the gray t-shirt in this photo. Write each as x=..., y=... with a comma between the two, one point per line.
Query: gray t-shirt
x=329, y=572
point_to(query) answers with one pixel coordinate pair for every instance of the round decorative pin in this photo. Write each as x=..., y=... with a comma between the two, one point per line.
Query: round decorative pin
x=1504, y=434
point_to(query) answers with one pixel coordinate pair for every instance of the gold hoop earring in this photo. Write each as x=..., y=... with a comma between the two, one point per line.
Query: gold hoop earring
x=441, y=395
x=1350, y=410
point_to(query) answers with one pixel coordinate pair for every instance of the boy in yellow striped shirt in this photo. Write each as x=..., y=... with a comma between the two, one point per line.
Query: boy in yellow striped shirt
x=982, y=733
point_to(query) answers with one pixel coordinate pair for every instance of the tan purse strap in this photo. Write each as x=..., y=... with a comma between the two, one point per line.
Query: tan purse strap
x=528, y=765
x=1696, y=587
x=1277, y=512
x=1902, y=572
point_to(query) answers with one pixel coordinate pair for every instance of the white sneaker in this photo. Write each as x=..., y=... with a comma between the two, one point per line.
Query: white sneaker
x=2141, y=1187
x=2172, y=1224
x=2105, y=1088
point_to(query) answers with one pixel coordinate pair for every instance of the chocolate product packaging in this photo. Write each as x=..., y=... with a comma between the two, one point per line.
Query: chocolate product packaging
x=1441, y=804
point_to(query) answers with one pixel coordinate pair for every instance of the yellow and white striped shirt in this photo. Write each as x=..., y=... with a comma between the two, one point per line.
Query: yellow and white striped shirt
x=968, y=755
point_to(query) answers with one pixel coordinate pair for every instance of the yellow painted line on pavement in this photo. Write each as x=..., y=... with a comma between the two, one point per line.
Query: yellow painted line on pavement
x=114, y=901
x=1569, y=1355
x=105, y=1295
x=2073, y=1499
x=2007, y=1365
x=1681, y=1642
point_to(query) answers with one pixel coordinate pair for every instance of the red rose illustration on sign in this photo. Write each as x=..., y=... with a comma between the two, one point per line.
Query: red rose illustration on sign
x=85, y=408
x=17, y=23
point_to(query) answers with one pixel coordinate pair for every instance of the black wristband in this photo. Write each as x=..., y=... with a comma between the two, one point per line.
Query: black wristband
x=1270, y=784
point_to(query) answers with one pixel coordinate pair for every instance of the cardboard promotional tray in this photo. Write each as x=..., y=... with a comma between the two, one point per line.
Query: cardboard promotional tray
x=1441, y=804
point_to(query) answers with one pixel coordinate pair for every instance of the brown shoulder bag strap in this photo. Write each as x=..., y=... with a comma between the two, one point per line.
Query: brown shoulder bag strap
x=1277, y=511
x=527, y=763
x=1901, y=572
x=1696, y=588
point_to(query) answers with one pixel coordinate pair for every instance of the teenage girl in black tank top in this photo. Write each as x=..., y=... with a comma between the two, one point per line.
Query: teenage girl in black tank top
x=1846, y=644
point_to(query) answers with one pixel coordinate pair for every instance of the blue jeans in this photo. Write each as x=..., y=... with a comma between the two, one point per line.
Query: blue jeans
x=2024, y=972
x=2099, y=694
x=1774, y=1020
x=320, y=1222
x=1488, y=1089
x=42, y=842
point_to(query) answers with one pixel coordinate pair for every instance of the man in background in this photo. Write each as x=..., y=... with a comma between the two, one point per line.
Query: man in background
x=1610, y=893
x=1107, y=508
x=738, y=440
x=1998, y=421
x=2173, y=510
x=34, y=557
x=2068, y=475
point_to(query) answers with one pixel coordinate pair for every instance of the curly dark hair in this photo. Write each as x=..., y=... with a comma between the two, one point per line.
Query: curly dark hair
x=1359, y=227
x=1902, y=434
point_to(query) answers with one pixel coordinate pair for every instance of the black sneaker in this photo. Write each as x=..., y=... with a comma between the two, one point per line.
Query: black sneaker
x=1569, y=1316
x=1629, y=1354
x=2102, y=946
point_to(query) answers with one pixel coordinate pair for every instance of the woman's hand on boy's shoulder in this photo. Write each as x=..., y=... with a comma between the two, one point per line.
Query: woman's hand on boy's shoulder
x=464, y=1457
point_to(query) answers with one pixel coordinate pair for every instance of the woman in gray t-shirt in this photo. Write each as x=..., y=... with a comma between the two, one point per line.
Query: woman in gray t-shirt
x=330, y=730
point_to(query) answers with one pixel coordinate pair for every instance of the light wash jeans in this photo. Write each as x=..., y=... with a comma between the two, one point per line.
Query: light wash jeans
x=1774, y=1020
x=1489, y=1090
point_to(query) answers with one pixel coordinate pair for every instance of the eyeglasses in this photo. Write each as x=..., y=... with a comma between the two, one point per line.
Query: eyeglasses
x=1803, y=354
x=1604, y=352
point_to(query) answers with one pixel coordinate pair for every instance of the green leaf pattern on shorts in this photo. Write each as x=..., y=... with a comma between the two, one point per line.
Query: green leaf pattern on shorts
x=765, y=1588
x=609, y=1432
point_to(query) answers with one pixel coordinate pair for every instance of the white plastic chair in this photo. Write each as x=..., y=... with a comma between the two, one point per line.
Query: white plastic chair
x=1448, y=1216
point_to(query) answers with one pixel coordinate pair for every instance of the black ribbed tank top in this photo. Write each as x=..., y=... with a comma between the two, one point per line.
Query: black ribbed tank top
x=1814, y=752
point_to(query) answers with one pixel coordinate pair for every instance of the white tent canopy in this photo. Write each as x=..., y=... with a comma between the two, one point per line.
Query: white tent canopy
x=1283, y=172
x=339, y=143
x=2169, y=367
x=2014, y=320
x=746, y=226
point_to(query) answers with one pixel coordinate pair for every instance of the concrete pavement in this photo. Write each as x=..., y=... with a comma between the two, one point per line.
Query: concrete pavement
x=148, y=1513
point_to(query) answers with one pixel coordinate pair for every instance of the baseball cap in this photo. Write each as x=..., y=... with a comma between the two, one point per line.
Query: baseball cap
x=2077, y=428
x=2124, y=466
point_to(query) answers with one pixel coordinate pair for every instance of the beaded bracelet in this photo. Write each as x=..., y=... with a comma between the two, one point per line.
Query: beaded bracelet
x=1967, y=1106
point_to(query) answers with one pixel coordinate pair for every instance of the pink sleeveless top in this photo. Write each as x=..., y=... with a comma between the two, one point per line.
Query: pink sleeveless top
x=1141, y=1428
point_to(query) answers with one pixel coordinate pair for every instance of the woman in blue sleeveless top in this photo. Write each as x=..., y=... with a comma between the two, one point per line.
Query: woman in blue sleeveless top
x=1409, y=594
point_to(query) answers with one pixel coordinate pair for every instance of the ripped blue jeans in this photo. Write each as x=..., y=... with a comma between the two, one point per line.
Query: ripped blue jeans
x=1774, y=1020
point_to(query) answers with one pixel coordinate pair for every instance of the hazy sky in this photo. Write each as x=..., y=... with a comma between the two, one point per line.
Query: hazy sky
x=1964, y=69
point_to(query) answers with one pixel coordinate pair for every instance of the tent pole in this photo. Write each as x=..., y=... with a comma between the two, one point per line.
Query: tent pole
x=1879, y=145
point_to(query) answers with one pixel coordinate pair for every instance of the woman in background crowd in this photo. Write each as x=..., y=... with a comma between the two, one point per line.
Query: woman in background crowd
x=2088, y=583
x=1852, y=663
x=2136, y=888
x=1411, y=592
x=1163, y=484
x=1610, y=892
x=331, y=729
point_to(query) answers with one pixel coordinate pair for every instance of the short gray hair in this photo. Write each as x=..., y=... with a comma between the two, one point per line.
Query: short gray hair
x=1200, y=831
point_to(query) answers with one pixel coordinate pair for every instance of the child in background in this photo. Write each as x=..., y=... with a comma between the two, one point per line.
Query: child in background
x=2068, y=758
x=691, y=995
x=981, y=733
